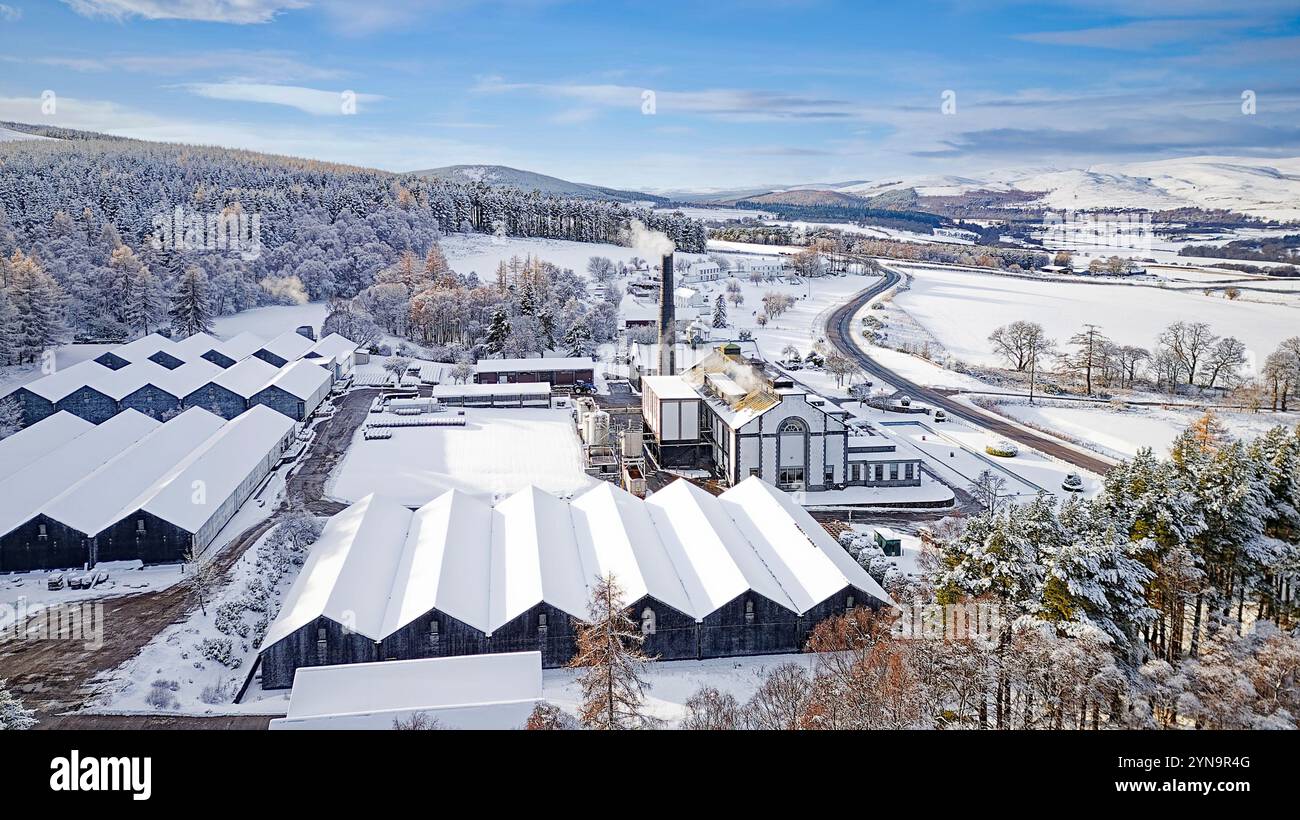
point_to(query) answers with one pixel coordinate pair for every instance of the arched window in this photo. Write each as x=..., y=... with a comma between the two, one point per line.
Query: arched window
x=793, y=425
x=749, y=612
x=648, y=622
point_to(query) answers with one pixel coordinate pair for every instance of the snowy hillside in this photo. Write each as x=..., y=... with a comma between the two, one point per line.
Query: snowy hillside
x=9, y=135
x=501, y=175
x=1268, y=188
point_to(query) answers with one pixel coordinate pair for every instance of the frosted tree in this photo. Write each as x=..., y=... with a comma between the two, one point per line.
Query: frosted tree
x=190, y=312
x=548, y=717
x=611, y=662
x=13, y=715
x=578, y=341
x=498, y=334
x=8, y=328
x=146, y=304
x=11, y=416
x=720, y=312
x=38, y=302
x=711, y=710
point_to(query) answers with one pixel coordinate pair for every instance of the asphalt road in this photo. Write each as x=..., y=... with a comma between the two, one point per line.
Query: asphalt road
x=838, y=328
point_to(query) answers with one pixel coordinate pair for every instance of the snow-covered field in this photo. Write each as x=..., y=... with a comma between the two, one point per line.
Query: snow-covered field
x=27, y=593
x=481, y=254
x=498, y=451
x=1120, y=433
x=269, y=322
x=961, y=309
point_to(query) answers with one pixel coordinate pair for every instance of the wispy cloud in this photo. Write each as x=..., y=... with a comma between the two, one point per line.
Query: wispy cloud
x=311, y=100
x=240, y=12
x=10, y=14
x=229, y=64
x=1141, y=34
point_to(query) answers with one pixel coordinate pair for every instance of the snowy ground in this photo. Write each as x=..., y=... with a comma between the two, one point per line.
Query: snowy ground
x=961, y=309
x=27, y=593
x=481, y=254
x=1121, y=432
x=673, y=682
x=269, y=322
x=497, y=452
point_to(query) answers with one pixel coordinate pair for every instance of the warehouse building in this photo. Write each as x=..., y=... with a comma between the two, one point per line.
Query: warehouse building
x=287, y=347
x=26, y=446
x=556, y=371
x=229, y=392
x=296, y=390
x=745, y=573
x=135, y=488
x=137, y=351
x=335, y=353
x=533, y=394
x=234, y=349
x=739, y=418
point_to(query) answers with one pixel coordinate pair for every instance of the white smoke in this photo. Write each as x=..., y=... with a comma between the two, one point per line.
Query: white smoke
x=285, y=287
x=651, y=244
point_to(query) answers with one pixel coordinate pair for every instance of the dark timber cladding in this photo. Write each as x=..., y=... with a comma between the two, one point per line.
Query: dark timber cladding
x=745, y=573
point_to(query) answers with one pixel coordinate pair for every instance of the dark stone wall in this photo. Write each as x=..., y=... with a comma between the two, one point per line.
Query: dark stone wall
x=152, y=401
x=24, y=549
x=270, y=358
x=523, y=634
x=217, y=399
x=283, y=658
x=34, y=407
x=89, y=404
x=277, y=399
x=728, y=632
x=675, y=637
x=161, y=542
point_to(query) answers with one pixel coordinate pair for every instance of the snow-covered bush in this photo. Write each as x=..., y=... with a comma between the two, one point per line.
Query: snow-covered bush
x=13, y=715
x=220, y=650
x=230, y=619
x=160, y=694
x=215, y=693
x=1002, y=449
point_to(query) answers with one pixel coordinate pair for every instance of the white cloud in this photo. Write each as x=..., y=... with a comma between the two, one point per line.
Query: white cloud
x=212, y=11
x=10, y=14
x=311, y=100
x=230, y=64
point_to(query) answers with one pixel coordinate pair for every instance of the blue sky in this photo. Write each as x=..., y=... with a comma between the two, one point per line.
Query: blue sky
x=746, y=93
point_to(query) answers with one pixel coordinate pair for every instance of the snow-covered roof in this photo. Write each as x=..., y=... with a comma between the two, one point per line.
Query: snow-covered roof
x=511, y=365
x=27, y=491
x=46, y=435
x=301, y=379
x=333, y=346
x=377, y=566
x=193, y=347
x=669, y=387
x=631, y=309
x=493, y=691
x=144, y=347
x=101, y=498
x=60, y=383
x=241, y=346
x=180, y=382
x=289, y=345
x=222, y=463
x=512, y=389
x=246, y=377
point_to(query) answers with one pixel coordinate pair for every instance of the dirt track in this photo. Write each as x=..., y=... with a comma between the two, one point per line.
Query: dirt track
x=54, y=676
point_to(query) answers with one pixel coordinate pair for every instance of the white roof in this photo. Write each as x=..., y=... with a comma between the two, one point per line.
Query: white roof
x=246, y=377
x=46, y=435
x=222, y=463
x=378, y=567
x=242, y=346
x=289, y=345
x=301, y=378
x=466, y=690
x=144, y=347
x=62, y=382
x=193, y=347
x=179, y=382
x=27, y=491
x=333, y=346
x=512, y=389
x=505, y=365
x=669, y=387
x=101, y=498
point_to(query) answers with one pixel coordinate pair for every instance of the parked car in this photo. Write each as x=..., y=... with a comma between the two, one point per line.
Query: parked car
x=55, y=581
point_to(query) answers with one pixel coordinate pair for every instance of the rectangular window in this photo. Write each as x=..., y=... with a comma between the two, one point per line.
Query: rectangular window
x=139, y=525
x=880, y=472
x=893, y=472
x=41, y=531
x=830, y=475
x=907, y=471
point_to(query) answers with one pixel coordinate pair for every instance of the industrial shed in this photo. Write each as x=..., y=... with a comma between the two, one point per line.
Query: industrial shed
x=558, y=372
x=26, y=446
x=135, y=488
x=537, y=394
x=483, y=692
x=745, y=573
x=162, y=392
x=287, y=347
x=230, y=390
x=296, y=389
x=335, y=353
x=38, y=399
x=137, y=351
x=234, y=349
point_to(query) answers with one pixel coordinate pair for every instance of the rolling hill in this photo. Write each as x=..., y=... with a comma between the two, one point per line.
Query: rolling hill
x=504, y=176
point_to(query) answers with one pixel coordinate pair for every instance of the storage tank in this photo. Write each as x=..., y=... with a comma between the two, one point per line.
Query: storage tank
x=633, y=441
x=595, y=428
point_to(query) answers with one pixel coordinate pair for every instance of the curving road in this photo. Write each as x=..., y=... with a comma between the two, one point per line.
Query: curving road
x=838, y=328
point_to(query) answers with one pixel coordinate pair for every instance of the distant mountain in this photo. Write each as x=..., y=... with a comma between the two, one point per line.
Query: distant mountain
x=1265, y=188
x=804, y=196
x=501, y=175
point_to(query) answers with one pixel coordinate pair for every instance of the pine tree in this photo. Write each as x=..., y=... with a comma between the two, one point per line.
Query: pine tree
x=11, y=416
x=8, y=328
x=38, y=302
x=498, y=333
x=12, y=713
x=189, y=309
x=612, y=662
x=144, y=309
x=577, y=341
x=720, y=312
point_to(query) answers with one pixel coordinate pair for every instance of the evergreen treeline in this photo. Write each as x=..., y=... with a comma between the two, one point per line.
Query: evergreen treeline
x=87, y=212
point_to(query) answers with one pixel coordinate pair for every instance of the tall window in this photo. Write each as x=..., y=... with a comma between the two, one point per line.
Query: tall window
x=648, y=621
x=322, y=646
x=139, y=525
x=435, y=637
x=42, y=531
x=749, y=612
x=541, y=622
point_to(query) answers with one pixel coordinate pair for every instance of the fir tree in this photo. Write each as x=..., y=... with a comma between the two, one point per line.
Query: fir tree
x=577, y=341
x=12, y=713
x=8, y=328
x=38, y=302
x=498, y=334
x=11, y=416
x=612, y=663
x=190, y=313
x=144, y=309
x=720, y=312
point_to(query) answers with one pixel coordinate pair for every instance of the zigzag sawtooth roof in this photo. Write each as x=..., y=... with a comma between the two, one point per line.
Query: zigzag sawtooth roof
x=29, y=490
x=32, y=443
x=246, y=377
x=300, y=379
x=289, y=345
x=379, y=566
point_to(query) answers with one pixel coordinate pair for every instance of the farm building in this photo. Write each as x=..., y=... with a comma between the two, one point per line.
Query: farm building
x=557, y=372
x=745, y=573
x=287, y=347
x=137, y=351
x=535, y=394
x=296, y=390
x=26, y=446
x=739, y=418
x=495, y=691
x=234, y=349
x=135, y=488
